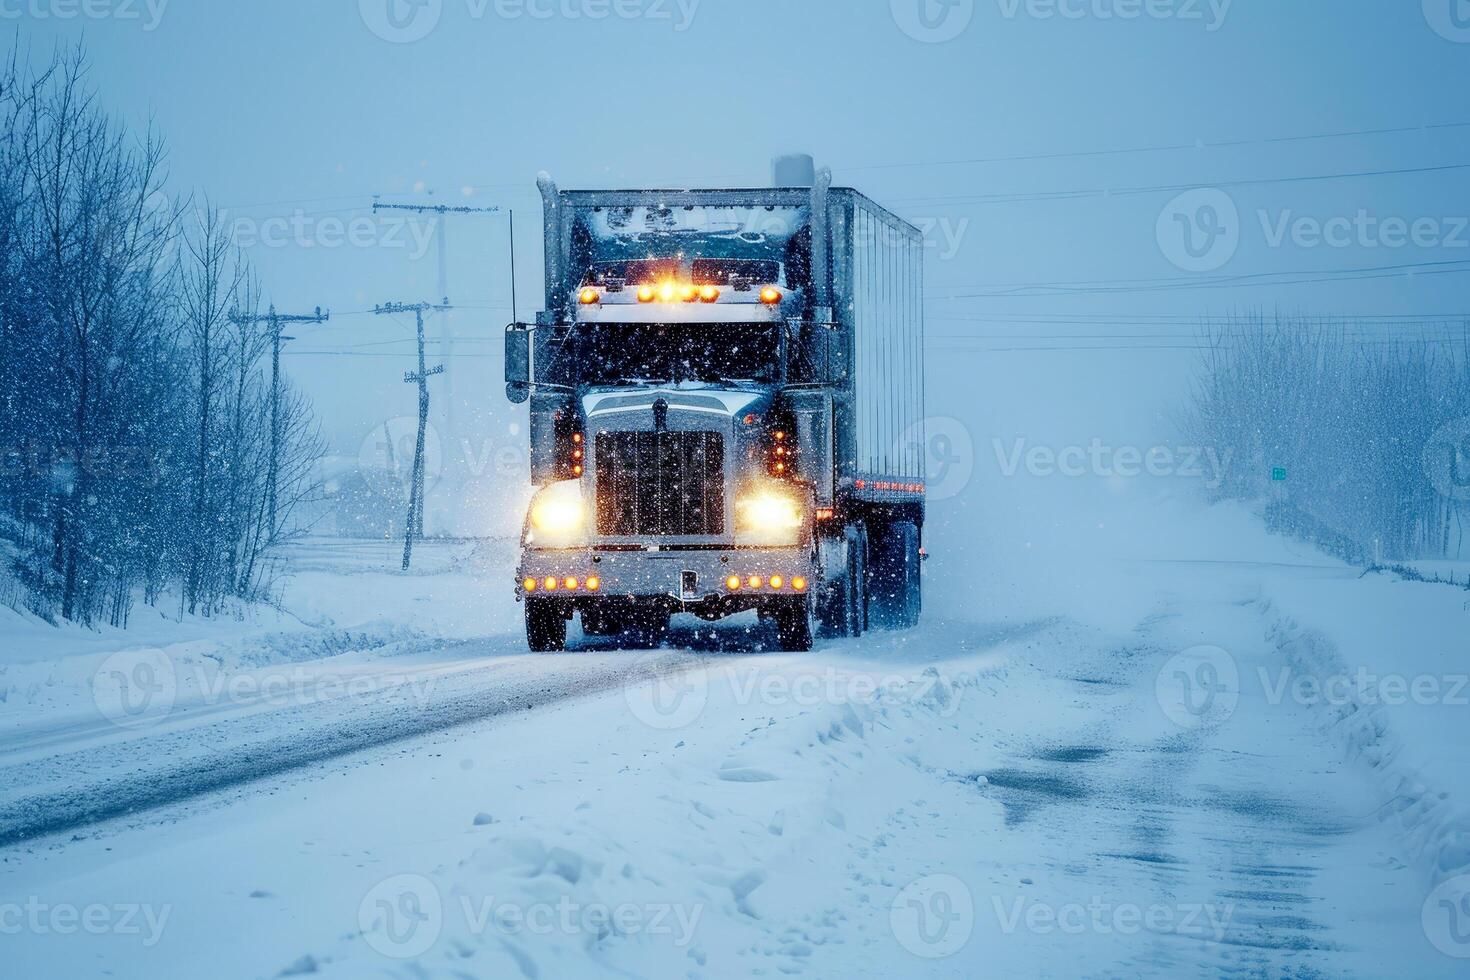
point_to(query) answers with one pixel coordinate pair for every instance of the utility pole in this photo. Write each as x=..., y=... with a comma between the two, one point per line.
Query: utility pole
x=415, y=527
x=274, y=320
x=446, y=332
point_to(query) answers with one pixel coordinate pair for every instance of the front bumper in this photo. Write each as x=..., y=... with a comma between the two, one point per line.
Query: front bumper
x=686, y=580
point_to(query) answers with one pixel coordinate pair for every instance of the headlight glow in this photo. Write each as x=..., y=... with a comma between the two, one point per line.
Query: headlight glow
x=558, y=516
x=768, y=512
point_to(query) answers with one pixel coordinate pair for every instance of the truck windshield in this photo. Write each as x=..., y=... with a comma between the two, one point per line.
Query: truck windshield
x=635, y=273
x=720, y=272
x=633, y=353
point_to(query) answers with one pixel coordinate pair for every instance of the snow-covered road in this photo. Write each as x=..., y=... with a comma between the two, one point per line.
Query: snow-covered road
x=63, y=777
x=977, y=798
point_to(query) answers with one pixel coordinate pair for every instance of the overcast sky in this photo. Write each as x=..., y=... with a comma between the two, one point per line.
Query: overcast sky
x=302, y=111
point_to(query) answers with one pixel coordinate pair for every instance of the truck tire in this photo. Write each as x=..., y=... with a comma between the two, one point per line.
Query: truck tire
x=794, y=626
x=843, y=608
x=896, y=595
x=860, y=618
x=546, y=627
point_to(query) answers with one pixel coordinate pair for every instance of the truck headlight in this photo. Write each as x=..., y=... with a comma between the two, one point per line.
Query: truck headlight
x=558, y=517
x=769, y=518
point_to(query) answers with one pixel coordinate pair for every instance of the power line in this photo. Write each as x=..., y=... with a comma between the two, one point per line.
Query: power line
x=421, y=378
x=1076, y=287
x=275, y=320
x=1160, y=148
x=1107, y=192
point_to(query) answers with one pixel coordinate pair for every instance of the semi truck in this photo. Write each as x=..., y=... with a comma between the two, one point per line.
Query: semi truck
x=726, y=397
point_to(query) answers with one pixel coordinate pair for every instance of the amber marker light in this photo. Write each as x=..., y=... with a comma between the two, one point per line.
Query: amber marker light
x=709, y=294
x=733, y=583
x=550, y=584
x=770, y=295
x=754, y=582
x=589, y=296
x=646, y=294
x=799, y=584
x=529, y=585
x=594, y=583
x=571, y=584
x=777, y=581
x=668, y=292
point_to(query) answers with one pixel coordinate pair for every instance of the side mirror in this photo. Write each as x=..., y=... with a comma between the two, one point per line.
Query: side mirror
x=517, y=363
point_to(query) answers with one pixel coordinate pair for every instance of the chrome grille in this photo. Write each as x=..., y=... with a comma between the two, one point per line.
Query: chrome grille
x=660, y=483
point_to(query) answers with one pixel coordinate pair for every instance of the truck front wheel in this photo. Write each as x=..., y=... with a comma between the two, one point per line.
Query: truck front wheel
x=794, y=626
x=896, y=597
x=546, y=627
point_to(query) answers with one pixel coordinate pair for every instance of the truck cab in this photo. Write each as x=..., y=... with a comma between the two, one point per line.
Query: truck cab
x=695, y=425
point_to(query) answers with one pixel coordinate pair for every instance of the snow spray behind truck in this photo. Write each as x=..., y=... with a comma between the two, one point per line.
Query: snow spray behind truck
x=726, y=396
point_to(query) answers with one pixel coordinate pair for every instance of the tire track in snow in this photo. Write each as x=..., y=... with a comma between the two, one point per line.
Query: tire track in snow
x=69, y=791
